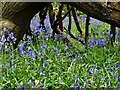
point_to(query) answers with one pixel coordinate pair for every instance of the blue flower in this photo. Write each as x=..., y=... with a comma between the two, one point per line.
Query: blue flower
x=117, y=66
x=100, y=42
x=119, y=85
x=90, y=72
x=92, y=42
x=28, y=38
x=115, y=77
x=43, y=46
x=21, y=48
x=67, y=54
x=22, y=45
x=3, y=39
x=66, y=47
x=31, y=84
x=44, y=64
x=74, y=85
x=32, y=55
x=42, y=54
x=86, y=83
x=118, y=35
x=55, y=49
x=11, y=35
x=110, y=70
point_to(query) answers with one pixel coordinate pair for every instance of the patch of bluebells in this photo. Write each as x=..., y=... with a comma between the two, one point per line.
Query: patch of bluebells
x=95, y=42
x=93, y=70
x=59, y=37
x=7, y=40
x=25, y=49
x=37, y=29
x=76, y=85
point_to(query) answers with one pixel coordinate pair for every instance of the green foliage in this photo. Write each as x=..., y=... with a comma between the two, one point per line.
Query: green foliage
x=55, y=65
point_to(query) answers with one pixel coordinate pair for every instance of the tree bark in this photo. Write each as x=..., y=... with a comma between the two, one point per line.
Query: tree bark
x=108, y=12
x=19, y=14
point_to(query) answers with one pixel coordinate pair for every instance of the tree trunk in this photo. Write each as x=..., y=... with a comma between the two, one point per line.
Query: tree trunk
x=108, y=12
x=16, y=16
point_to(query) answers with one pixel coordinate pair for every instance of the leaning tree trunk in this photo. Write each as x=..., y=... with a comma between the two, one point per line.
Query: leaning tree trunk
x=16, y=16
x=108, y=12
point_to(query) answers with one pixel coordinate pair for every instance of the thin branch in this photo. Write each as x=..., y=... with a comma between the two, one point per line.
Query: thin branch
x=112, y=32
x=42, y=16
x=59, y=16
x=87, y=29
x=56, y=23
x=76, y=20
x=54, y=27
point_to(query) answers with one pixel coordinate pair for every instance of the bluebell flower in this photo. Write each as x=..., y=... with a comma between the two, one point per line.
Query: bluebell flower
x=111, y=70
x=92, y=42
x=11, y=35
x=3, y=39
x=74, y=85
x=117, y=66
x=22, y=45
x=21, y=86
x=31, y=84
x=74, y=61
x=56, y=49
x=21, y=48
x=68, y=56
x=115, y=77
x=23, y=53
x=7, y=48
x=99, y=23
x=41, y=85
x=43, y=69
x=86, y=83
x=32, y=55
x=85, y=66
x=42, y=54
x=43, y=46
x=100, y=42
x=44, y=64
x=66, y=47
x=28, y=38
x=118, y=35
x=90, y=72
x=119, y=85
x=46, y=37
x=111, y=35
